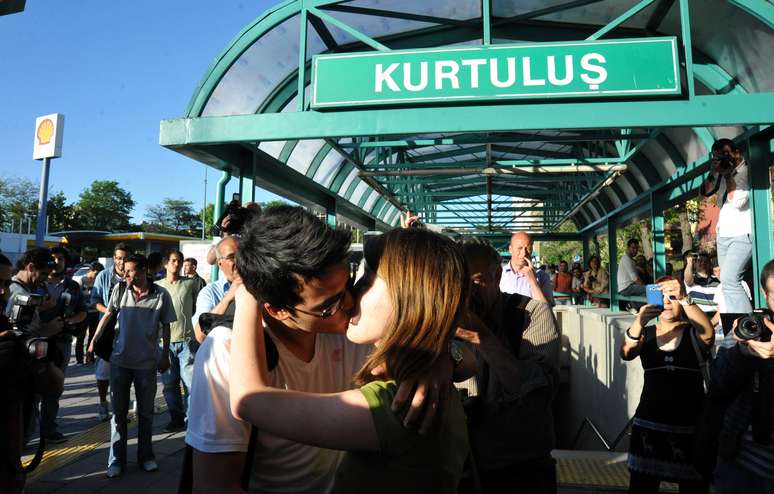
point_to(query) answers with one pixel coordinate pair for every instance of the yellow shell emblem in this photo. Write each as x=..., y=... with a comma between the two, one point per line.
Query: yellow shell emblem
x=45, y=131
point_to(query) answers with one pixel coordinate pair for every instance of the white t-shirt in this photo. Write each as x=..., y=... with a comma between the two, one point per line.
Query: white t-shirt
x=627, y=272
x=735, y=217
x=281, y=466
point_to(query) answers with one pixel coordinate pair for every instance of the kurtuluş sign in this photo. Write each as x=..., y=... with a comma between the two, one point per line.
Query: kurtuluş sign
x=627, y=68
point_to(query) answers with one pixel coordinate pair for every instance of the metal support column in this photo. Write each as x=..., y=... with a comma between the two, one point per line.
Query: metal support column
x=220, y=193
x=760, y=157
x=41, y=230
x=247, y=183
x=657, y=229
x=586, y=253
x=330, y=213
x=612, y=251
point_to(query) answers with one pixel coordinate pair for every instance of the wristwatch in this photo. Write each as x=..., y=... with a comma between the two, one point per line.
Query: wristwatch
x=456, y=353
x=685, y=301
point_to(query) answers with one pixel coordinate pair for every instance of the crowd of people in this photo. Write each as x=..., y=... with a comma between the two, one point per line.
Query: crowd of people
x=433, y=369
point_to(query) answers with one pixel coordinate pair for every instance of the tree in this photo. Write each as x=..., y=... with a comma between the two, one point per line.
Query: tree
x=173, y=216
x=61, y=216
x=104, y=205
x=18, y=199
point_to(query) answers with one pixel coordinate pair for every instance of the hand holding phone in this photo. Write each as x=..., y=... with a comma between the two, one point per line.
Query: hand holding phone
x=654, y=295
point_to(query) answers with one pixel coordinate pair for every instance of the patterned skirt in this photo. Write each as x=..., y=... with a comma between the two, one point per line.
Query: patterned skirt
x=662, y=450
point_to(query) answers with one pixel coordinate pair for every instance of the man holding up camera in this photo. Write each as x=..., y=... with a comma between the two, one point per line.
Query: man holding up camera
x=728, y=178
x=20, y=377
x=71, y=310
x=741, y=403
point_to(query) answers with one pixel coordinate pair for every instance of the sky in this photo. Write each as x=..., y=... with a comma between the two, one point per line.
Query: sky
x=115, y=70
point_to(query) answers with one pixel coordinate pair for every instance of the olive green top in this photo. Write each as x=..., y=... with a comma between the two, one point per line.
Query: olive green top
x=406, y=462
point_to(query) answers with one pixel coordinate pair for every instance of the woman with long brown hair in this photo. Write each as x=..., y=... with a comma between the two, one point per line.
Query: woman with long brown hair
x=672, y=352
x=408, y=308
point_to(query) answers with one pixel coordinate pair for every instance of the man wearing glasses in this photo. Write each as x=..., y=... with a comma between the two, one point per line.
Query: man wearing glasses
x=301, y=265
x=217, y=297
x=728, y=178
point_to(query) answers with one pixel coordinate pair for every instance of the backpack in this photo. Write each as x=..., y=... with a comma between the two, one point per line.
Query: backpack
x=103, y=347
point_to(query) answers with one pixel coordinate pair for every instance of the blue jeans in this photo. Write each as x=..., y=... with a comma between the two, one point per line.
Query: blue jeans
x=180, y=369
x=49, y=404
x=121, y=379
x=734, y=253
x=730, y=478
x=633, y=290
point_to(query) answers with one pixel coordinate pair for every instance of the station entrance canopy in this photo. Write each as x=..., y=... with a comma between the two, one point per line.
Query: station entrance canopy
x=489, y=116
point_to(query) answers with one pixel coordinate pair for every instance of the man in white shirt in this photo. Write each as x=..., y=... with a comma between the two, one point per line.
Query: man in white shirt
x=299, y=264
x=520, y=277
x=729, y=179
x=629, y=282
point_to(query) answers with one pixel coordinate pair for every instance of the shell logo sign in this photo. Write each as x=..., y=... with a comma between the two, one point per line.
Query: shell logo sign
x=49, y=130
x=45, y=131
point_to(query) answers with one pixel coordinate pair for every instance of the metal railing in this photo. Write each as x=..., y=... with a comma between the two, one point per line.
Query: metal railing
x=608, y=446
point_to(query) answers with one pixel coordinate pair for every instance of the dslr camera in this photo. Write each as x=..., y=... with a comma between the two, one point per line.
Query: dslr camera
x=28, y=345
x=236, y=214
x=752, y=327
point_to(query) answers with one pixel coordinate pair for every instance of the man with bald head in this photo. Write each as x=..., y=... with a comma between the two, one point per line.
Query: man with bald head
x=520, y=277
x=218, y=296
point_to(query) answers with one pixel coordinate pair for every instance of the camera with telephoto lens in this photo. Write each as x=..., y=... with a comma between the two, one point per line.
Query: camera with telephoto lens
x=752, y=326
x=29, y=345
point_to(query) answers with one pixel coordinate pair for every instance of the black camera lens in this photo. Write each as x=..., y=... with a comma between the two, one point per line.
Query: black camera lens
x=749, y=328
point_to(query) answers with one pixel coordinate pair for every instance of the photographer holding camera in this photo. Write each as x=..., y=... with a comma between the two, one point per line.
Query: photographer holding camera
x=739, y=421
x=231, y=223
x=70, y=309
x=24, y=370
x=728, y=178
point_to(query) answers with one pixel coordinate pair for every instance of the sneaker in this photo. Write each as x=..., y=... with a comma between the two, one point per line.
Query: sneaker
x=55, y=438
x=104, y=414
x=150, y=466
x=114, y=471
x=175, y=426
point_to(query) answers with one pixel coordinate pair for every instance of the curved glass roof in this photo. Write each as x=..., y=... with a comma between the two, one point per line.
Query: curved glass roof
x=449, y=177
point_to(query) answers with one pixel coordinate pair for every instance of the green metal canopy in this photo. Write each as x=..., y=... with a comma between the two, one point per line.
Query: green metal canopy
x=493, y=167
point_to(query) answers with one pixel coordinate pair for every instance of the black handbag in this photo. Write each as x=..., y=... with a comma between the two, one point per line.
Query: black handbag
x=103, y=347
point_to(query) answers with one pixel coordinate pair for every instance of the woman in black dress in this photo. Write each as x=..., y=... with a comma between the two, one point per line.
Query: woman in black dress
x=671, y=351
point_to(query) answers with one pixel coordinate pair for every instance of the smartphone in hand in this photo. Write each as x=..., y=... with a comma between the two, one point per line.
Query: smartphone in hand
x=654, y=295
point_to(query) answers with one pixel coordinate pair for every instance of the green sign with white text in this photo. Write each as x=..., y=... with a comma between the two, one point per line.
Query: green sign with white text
x=627, y=68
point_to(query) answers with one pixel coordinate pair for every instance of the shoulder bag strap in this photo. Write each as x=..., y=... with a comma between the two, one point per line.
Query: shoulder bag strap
x=702, y=359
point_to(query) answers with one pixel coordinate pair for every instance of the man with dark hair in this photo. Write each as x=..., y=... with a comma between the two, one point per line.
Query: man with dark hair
x=70, y=308
x=189, y=271
x=155, y=266
x=100, y=298
x=629, y=281
x=297, y=266
x=92, y=314
x=700, y=284
x=144, y=311
x=516, y=342
x=729, y=179
x=739, y=425
x=183, y=292
x=563, y=283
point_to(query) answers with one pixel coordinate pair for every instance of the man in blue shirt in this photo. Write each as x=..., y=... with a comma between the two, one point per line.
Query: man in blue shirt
x=217, y=297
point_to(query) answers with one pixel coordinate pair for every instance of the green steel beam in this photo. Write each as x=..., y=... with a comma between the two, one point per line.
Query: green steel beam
x=323, y=32
x=302, y=43
x=477, y=138
x=685, y=27
x=612, y=253
x=748, y=109
x=760, y=9
x=347, y=29
x=657, y=229
x=390, y=14
x=486, y=21
x=620, y=19
x=760, y=156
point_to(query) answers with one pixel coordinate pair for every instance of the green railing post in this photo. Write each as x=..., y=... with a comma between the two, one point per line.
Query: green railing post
x=220, y=192
x=759, y=155
x=586, y=255
x=486, y=17
x=612, y=250
x=657, y=229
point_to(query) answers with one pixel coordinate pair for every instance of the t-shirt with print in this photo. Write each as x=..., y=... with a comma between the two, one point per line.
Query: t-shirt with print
x=406, y=462
x=136, y=344
x=183, y=293
x=281, y=466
